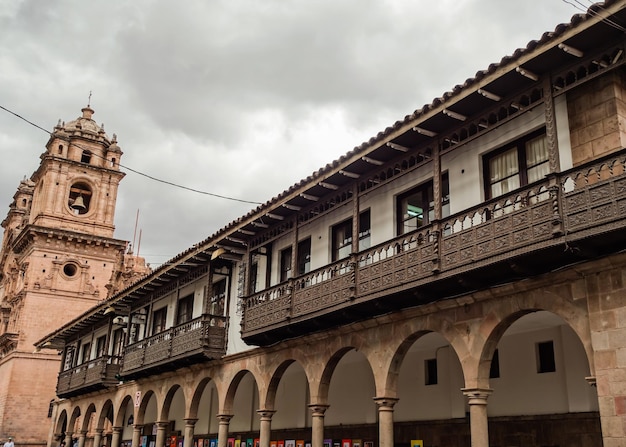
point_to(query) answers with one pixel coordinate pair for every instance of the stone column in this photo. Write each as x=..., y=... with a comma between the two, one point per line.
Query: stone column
x=68, y=439
x=137, y=429
x=265, y=427
x=385, y=420
x=160, y=433
x=317, y=424
x=97, y=437
x=81, y=438
x=222, y=430
x=189, y=426
x=477, y=400
x=115, y=436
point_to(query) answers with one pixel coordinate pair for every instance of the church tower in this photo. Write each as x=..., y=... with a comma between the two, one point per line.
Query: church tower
x=58, y=258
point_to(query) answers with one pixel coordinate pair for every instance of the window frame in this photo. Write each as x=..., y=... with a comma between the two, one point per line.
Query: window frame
x=424, y=189
x=304, y=256
x=522, y=173
x=285, y=256
x=159, y=320
x=546, y=357
x=347, y=241
x=184, y=309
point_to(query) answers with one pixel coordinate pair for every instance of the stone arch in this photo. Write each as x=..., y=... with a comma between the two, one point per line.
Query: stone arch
x=229, y=398
x=76, y=413
x=270, y=397
x=121, y=412
x=61, y=425
x=91, y=410
x=197, y=395
x=393, y=371
x=320, y=395
x=107, y=412
x=145, y=400
x=164, y=413
x=504, y=314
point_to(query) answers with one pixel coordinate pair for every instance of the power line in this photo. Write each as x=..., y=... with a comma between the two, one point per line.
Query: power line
x=136, y=171
x=581, y=7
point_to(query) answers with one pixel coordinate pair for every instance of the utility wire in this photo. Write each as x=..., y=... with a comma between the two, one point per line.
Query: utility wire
x=581, y=7
x=134, y=170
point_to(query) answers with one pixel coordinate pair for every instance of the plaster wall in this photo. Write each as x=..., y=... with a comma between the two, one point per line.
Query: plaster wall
x=292, y=399
x=207, y=422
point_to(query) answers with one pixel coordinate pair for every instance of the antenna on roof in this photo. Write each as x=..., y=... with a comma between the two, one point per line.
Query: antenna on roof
x=89, y=100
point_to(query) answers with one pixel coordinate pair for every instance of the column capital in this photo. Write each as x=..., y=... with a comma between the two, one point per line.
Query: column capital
x=224, y=418
x=265, y=414
x=318, y=409
x=162, y=424
x=82, y=432
x=190, y=421
x=117, y=429
x=137, y=426
x=386, y=402
x=477, y=396
x=98, y=431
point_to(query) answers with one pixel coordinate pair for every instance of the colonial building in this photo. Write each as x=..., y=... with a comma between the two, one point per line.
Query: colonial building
x=58, y=259
x=459, y=278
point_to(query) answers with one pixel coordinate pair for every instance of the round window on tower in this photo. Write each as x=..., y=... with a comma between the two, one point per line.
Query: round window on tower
x=70, y=269
x=79, y=198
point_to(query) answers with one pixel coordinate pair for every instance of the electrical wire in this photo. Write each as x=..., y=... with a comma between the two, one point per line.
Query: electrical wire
x=581, y=7
x=156, y=179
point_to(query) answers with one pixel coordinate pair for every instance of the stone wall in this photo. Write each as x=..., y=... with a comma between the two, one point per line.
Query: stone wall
x=597, y=117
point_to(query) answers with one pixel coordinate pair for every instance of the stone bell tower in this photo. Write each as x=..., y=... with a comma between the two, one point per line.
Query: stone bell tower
x=58, y=259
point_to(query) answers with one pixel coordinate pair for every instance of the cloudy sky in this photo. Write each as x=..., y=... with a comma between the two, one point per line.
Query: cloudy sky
x=238, y=98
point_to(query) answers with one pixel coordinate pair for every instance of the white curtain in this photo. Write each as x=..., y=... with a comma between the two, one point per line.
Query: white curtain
x=537, y=159
x=503, y=170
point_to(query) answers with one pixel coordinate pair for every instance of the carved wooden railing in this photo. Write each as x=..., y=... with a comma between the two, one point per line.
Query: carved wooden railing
x=581, y=202
x=203, y=335
x=98, y=372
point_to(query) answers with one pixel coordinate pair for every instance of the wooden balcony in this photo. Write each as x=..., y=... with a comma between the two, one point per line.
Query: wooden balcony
x=93, y=375
x=195, y=341
x=566, y=218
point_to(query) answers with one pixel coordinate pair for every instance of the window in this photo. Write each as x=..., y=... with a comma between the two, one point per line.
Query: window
x=254, y=273
x=545, y=357
x=342, y=236
x=494, y=370
x=85, y=157
x=304, y=256
x=101, y=346
x=70, y=269
x=342, y=240
x=118, y=343
x=518, y=164
x=285, y=264
x=416, y=207
x=86, y=353
x=69, y=358
x=185, y=309
x=364, y=230
x=158, y=320
x=217, y=300
x=430, y=372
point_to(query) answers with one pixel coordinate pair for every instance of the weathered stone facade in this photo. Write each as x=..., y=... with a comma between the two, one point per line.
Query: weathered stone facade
x=58, y=259
x=458, y=279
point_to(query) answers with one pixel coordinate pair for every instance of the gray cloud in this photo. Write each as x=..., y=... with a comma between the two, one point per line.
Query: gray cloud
x=240, y=98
